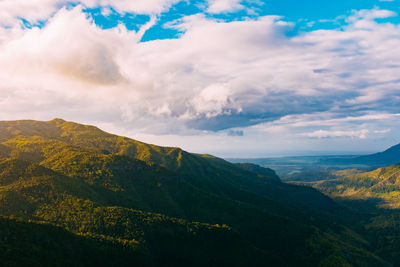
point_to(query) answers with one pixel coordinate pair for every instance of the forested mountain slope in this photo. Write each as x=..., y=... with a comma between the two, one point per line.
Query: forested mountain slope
x=41, y=244
x=172, y=206
x=381, y=185
x=377, y=195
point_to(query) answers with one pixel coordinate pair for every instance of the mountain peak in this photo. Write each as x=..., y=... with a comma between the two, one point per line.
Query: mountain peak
x=57, y=120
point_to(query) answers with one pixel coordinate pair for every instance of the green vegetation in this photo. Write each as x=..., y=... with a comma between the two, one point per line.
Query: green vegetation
x=382, y=184
x=41, y=244
x=377, y=195
x=161, y=206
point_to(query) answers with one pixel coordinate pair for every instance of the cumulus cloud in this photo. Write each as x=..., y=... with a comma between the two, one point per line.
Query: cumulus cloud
x=35, y=10
x=11, y=10
x=68, y=47
x=370, y=14
x=137, y=6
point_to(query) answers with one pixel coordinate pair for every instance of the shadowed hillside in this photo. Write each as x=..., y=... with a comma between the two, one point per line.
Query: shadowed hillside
x=39, y=244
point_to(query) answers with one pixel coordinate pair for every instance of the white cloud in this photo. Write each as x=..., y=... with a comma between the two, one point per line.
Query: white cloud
x=328, y=119
x=30, y=9
x=222, y=6
x=371, y=14
x=106, y=11
x=136, y=6
x=384, y=131
x=362, y=134
x=211, y=100
x=35, y=10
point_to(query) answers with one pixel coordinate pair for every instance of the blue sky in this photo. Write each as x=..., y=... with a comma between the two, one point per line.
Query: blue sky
x=307, y=15
x=228, y=77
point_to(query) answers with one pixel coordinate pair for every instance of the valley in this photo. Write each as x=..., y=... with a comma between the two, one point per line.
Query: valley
x=309, y=168
x=367, y=185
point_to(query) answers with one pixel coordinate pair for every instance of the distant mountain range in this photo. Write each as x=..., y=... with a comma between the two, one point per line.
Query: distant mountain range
x=312, y=168
x=388, y=157
x=92, y=198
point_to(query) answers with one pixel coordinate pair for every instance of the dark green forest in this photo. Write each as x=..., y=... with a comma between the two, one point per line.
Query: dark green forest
x=73, y=195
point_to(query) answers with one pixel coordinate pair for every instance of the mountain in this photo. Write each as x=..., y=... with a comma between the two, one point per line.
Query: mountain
x=165, y=206
x=313, y=168
x=260, y=171
x=381, y=186
x=388, y=157
x=377, y=195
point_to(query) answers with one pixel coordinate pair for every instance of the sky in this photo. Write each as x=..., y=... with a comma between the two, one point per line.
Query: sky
x=231, y=78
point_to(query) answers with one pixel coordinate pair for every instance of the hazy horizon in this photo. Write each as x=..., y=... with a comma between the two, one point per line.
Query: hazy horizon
x=191, y=145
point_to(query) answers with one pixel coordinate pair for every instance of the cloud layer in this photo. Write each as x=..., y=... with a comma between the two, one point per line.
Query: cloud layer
x=34, y=10
x=238, y=76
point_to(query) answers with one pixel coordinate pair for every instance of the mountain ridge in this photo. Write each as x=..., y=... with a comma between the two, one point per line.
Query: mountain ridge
x=91, y=182
x=382, y=184
x=388, y=157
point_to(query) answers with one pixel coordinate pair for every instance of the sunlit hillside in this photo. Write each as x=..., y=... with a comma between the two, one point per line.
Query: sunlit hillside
x=169, y=205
